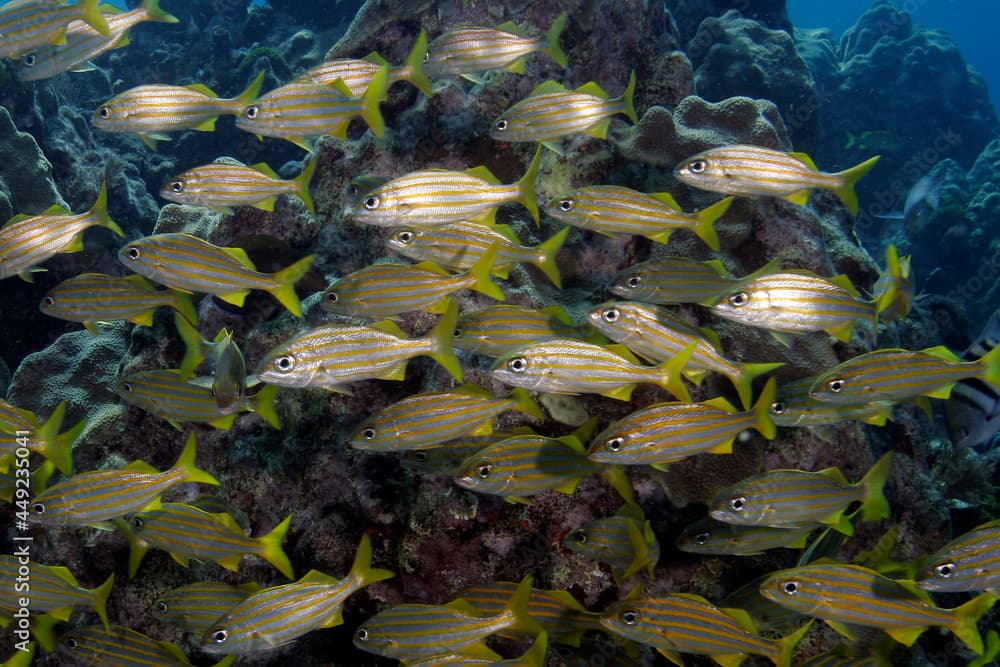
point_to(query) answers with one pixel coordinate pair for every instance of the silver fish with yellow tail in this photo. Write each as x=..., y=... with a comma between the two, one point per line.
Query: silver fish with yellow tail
x=357, y=75
x=195, y=607
x=28, y=24
x=966, y=563
x=501, y=329
x=669, y=280
x=625, y=541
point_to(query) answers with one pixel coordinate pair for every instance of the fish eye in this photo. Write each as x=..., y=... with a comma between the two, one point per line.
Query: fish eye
x=127, y=386
x=458, y=333
x=518, y=364
x=738, y=504
x=610, y=315
x=71, y=643
x=368, y=434
x=371, y=203
x=945, y=570
x=566, y=204
x=630, y=617
x=285, y=364
x=362, y=635
x=777, y=408
x=501, y=124
x=739, y=299
x=332, y=297
x=580, y=537
x=697, y=166
x=702, y=538
x=220, y=636
x=161, y=607
x=420, y=456
x=137, y=522
x=427, y=58
x=176, y=187
x=212, y=391
x=634, y=281
x=30, y=60
x=790, y=588
x=48, y=301
x=134, y=253
x=614, y=444
x=484, y=470
x=104, y=112
x=252, y=112
x=836, y=386
x=405, y=237
x=38, y=508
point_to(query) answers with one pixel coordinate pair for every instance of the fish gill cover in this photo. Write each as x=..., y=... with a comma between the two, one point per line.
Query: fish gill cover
x=834, y=196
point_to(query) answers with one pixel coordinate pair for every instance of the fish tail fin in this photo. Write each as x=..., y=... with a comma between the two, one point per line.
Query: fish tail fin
x=263, y=404
x=90, y=13
x=362, y=567
x=193, y=345
x=787, y=644
x=42, y=627
x=59, y=448
x=761, y=409
x=744, y=379
x=535, y=656
x=526, y=404
x=705, y=219
x=442, y=335
x=552, y=40
x=247, y=97
x=302, y=184
x=482, y=273
x=545, y=256
x=894, y=273
x=517, y=608
x=185, y=307
x=101, y=594
x=271, y=549
x=967, y=616
x=284, y=290
x=186, y=464
x=376, y=93
x=671, y=370
x=137, y=548
x=415, y=65
x=849, y=178
x=617, y=477
x=628, y=99
x=992, y=361
x=526, y=186
x=155, y=13
x=874, y=505
x=100, y=210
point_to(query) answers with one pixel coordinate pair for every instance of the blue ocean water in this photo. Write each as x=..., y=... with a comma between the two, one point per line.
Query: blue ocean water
x=971, y=23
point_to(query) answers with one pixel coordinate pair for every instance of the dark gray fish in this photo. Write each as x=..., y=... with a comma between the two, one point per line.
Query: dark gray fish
x=972, y=413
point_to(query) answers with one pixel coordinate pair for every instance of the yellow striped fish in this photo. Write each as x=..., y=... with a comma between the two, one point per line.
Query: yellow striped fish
x=333, y=355
x=93, y=497
x=29, y=24
x=165, y=394
x=568, y=366
x=187, y=532
x=498, y=330
x=625, y=541
x=892, y=375
x=767, y=616
x=458, y=245
x=787, y=498
x=895, y=290
x=716, y=538
x=533, y=657
x=967, y=563
x=551, y=112
x=300, y=110
x=411, y=631
x=754, y=171
x=357, y=75
x=669, y=280
x=849, y=594
x=795, y=407
x=44, y=439
x=432, y=418
x=667, y=432
x=277, y=616
x=613, y=210
x=447, y=459
x=685, y=623
x=657, y=334
x=197, y=606
x=228, y=382
x=470, y=51
x=431, y=197
x=387, y=290
x=27, y=241
x=223, y=185
x=84, y=42
x=185, y=262
x=796, y=302
x=152, y=110
x=50, y=589
x=93, y=298
x=93, y=646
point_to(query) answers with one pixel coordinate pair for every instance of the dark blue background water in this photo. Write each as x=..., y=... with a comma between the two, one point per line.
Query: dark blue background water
x=971, y=23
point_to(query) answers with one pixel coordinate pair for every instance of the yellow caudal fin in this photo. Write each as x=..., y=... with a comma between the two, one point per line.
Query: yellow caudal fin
x=55, y=447
x=100, y=599
x=284, y=288
x=671, y=372
x=442, y=335
x=42, y=627
x=90, y=13
x=526, y=404
x=415, y=65
x=552, y=40
x=377, y=92
x=618, y=478
x=628, y=100
x=100, y=211
x=137, y=548
x=154, y=13
x=184, y=306
x=25, y=657
x=481, y=273
x=362, y=567
x=263, y=404
x=874, y=505
x=705, y=222
x=272, y=551
x=761, y=409
x=848, y=179
x=744, y=380
x=967, y=616
x=545, y=256
x=787, y=644
x=535, y=656
x=992, y=362
x=526, y=186
x=517, y=608
x=186, y=464
x=247, y=97
x=302, y=184
x=194, y=346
